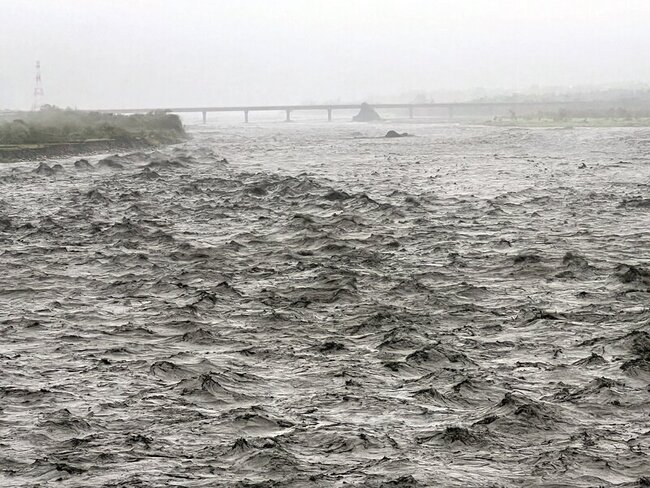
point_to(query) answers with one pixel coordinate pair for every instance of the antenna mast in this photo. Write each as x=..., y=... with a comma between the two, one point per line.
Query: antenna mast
x=38, y=89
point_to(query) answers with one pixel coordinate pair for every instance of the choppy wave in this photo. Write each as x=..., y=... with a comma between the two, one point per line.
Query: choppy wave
x=293, y=306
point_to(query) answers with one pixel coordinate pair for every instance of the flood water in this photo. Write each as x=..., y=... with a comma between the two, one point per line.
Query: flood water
x=307, y=304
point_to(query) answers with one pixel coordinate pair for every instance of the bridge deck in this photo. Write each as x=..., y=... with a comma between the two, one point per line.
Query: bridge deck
x=347, y=106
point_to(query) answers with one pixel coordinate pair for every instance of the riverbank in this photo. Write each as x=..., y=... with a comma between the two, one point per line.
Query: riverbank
x=9, y=154
x=571, y=122
x=60, y=133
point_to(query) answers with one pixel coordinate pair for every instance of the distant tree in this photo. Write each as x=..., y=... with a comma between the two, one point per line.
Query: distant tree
x=16, y=132
x=420, y=98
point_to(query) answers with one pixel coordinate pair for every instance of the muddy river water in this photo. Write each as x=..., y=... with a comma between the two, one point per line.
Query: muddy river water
x=313, y=305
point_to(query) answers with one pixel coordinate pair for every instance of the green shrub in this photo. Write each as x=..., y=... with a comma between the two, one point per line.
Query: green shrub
x=53, y=125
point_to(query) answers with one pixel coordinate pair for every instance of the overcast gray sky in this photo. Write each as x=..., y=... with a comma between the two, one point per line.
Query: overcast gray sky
x=146, y=53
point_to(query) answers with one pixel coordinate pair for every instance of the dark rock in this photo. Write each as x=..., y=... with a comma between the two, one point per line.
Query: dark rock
x=573, y=260
x=97, y=196
x=83, y=165
x=527, y=258
x=452, y=435
x=331, y=346
x=392, y=133
x=44, y=169
x=111, y=162
x=149, y=174
x=366, y=114
x=405, y=481
x=335, y=195
x=636, y=203
x=633, y=274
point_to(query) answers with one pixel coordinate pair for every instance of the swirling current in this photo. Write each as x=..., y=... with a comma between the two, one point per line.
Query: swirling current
x=312, y=305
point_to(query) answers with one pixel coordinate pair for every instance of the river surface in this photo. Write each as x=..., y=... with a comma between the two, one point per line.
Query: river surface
x=313, y=305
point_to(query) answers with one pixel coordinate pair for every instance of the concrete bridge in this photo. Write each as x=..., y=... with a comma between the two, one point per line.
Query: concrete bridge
x=409, y=108
x=288, y=109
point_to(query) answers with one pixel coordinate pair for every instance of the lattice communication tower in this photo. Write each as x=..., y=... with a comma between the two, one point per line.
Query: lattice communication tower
x=38, y=88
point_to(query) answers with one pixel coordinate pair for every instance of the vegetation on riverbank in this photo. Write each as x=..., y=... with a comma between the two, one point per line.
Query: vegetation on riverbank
x=570, y=122
x=577, y=117
x=53, y=131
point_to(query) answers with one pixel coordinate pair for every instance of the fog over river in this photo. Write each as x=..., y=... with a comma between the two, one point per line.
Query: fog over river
x=311, y=304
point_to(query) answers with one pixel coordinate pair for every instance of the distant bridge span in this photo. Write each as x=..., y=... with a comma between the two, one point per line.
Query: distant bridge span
x=329, y=108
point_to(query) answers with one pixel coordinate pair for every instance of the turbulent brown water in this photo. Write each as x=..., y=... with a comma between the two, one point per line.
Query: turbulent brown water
x=465, y=307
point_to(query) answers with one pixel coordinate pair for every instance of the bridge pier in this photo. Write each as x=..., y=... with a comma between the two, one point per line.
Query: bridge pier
x=246, y=116
x=205, y=116
x=329, y=114
x=410, y=111
x=288, y=119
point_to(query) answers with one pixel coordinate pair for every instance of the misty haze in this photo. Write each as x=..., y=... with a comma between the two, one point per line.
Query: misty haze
x=325, y=243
